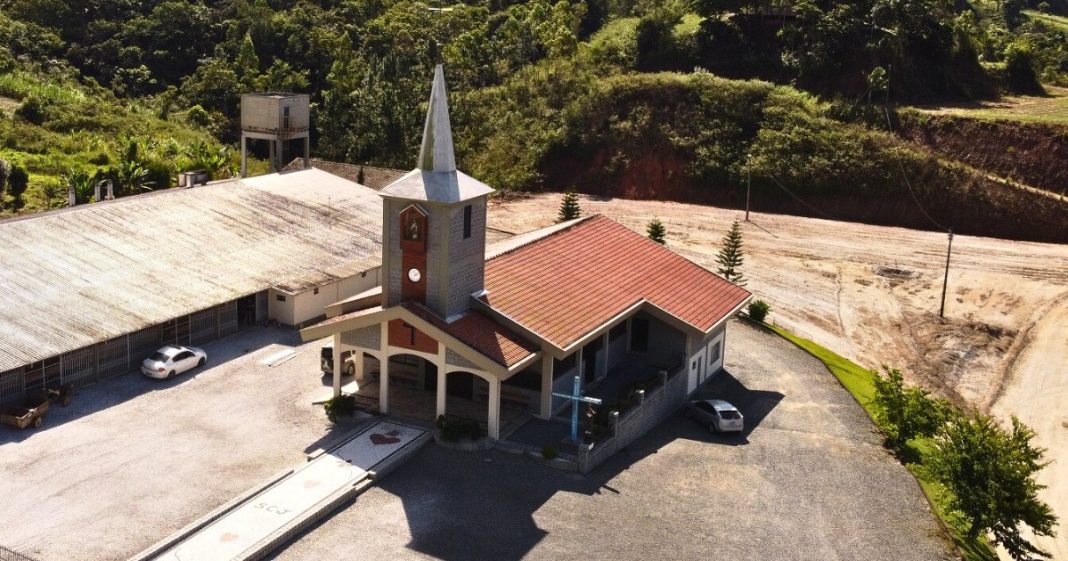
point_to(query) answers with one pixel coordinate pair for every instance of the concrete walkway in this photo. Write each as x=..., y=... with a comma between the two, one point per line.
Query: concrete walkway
x=259, y=523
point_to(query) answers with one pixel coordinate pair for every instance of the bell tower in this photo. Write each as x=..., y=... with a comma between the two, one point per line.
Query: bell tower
x=434, y=223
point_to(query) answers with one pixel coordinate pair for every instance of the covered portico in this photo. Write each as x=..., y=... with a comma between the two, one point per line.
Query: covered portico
x=470, y=349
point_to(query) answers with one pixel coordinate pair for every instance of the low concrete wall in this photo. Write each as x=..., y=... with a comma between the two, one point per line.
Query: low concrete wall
x=632, y=424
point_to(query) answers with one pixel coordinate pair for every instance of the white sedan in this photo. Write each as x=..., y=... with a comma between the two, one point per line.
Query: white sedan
x=173, y=360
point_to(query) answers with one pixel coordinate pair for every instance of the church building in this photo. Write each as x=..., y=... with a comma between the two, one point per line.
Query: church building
x=499, y=329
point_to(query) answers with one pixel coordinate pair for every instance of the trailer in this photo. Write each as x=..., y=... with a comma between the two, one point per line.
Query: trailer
x=29, y=413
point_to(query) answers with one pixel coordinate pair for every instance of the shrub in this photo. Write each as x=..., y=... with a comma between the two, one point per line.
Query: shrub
x=17, y=181
x=758, y=310
x=340, y=406
x=5, y=171
x=549, y=452
x=32, y=110
x=198, y=116
x=454, y=429
x=1020, y=75
x=906, y=413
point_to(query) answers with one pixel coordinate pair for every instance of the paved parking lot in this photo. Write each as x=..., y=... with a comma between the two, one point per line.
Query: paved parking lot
x=133, y=460
x=807, y=481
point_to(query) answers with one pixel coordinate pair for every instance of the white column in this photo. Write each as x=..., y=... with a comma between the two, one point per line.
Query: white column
x=383, y=371
x=604, y=354
x=441, y=380
x=271, y=146
x=383, y=386
x=495, y=409
x=244, y=155
x=358, y=363
x=546, y=386
x=337, y=364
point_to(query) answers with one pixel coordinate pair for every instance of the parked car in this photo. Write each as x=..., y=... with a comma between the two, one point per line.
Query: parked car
x=717, y=414
x=326, y=360
x=173, y=360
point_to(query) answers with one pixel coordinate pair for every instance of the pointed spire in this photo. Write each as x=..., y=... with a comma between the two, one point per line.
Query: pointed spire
x=437, y=151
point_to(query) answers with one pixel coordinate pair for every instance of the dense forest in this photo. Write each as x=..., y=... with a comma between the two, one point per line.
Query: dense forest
x=600, y=95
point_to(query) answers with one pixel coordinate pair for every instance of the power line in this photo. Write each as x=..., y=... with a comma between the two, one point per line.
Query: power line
x=908, y=183
x=798, y=199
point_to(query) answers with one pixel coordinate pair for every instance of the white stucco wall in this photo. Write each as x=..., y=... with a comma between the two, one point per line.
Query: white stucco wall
x=299, y=308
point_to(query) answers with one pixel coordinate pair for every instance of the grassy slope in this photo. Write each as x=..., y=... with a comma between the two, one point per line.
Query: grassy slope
x=860, y=383
x=1058, y=22
x=1052, y=108
x=84, y=131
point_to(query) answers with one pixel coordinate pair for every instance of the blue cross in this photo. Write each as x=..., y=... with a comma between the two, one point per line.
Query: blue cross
x=576, y=397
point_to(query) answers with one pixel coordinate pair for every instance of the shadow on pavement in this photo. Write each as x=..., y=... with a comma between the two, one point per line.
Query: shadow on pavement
x=101, y=395
x=482, y=505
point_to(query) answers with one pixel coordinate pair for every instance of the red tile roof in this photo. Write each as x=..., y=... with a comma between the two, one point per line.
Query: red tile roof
x=565, y=285
x=480, y=333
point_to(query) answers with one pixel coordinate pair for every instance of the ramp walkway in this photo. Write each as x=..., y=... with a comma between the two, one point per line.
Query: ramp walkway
x=251, y=527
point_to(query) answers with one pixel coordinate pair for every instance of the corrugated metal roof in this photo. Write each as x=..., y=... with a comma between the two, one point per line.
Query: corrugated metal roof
x=74, y=277
x=373, y=177
x=565, y=284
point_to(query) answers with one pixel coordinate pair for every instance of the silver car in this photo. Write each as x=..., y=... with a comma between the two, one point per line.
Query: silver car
x=173, y=360
x=717, y=414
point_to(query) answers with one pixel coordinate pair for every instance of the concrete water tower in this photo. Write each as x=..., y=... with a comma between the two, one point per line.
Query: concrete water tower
x=278, y=118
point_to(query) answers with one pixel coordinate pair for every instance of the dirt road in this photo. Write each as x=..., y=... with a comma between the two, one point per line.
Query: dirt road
x=872, y=293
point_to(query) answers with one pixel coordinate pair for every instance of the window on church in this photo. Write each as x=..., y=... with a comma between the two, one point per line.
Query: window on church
x=467, y=222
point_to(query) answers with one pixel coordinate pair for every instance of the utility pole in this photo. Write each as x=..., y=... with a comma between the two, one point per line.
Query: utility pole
x=945, y=281
x=748, y=187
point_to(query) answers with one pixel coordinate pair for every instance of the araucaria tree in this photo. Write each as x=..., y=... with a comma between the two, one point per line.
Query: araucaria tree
x=991, y=472
x=569, y=207
x=657, y=232
x=730, y=256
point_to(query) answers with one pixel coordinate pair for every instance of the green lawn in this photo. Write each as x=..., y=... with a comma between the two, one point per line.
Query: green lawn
x=1056, y=22
x=860, y=383
x=1051, y=108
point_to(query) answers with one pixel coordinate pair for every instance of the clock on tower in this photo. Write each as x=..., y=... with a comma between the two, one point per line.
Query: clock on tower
x=434, y=223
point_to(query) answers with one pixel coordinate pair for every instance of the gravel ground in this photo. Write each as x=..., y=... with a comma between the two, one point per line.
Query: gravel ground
x=133, y=459
x=808, y=480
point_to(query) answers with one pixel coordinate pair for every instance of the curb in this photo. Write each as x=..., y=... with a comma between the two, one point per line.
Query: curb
x=199, y=524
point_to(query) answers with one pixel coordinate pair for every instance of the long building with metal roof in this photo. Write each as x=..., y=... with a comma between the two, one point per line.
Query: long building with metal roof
x=84, y=290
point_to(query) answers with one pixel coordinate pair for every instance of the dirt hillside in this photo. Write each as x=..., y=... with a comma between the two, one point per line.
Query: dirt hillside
x=1031, y=153
x=872, y=293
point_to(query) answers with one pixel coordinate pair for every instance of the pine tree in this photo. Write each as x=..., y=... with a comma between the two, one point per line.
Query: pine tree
x=247, y=63
x=730, y=256
x=569, y=207
x=657, y=232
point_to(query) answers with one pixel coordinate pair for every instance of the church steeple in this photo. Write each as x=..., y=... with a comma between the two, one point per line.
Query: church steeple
x=434, y=222
x=437, y=153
